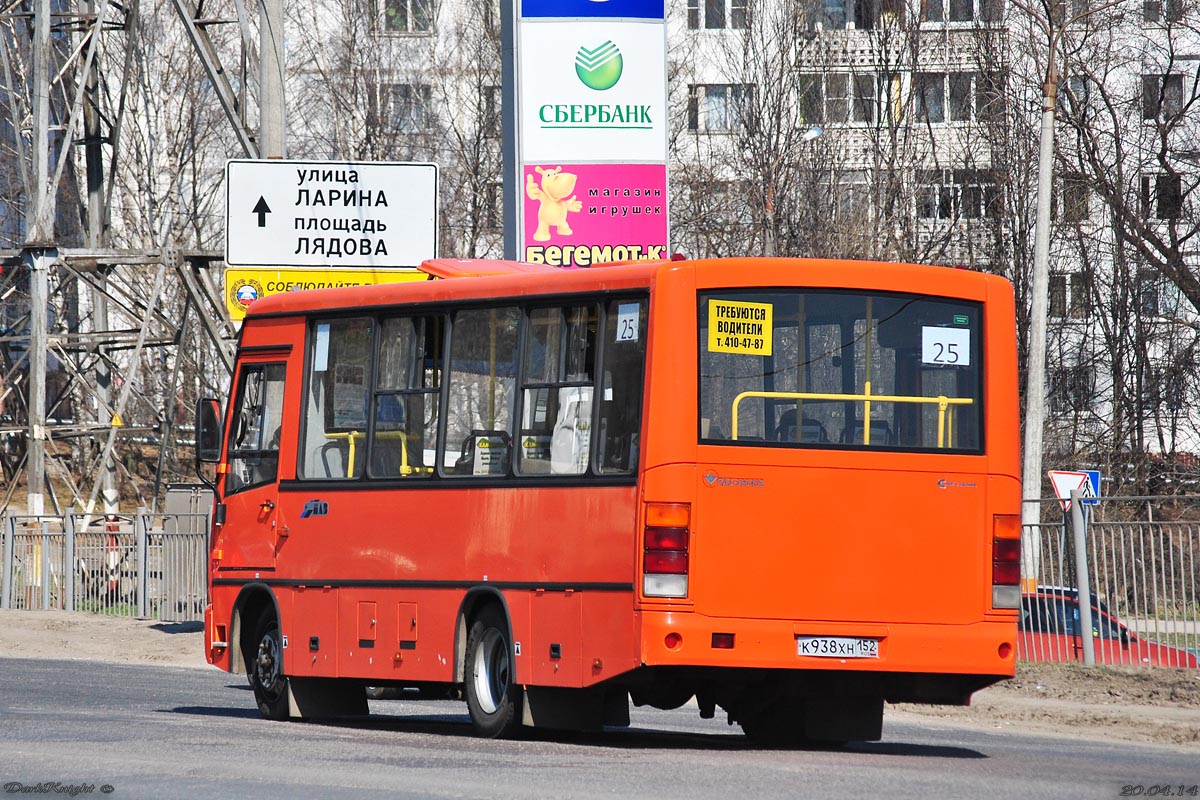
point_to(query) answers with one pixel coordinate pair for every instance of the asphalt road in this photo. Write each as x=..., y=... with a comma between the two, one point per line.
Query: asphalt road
x=161, y=732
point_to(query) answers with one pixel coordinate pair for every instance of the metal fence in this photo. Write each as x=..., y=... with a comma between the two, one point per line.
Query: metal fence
x=1144, y=582
x=1144, y=578
x=141, y=565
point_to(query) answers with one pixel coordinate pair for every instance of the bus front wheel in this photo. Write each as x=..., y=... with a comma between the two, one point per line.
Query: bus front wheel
x=266, y=670
x=493, y=698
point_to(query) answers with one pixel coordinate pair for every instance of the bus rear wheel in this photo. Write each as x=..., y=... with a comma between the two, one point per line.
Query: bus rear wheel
x=266, y=670
x=493, y=698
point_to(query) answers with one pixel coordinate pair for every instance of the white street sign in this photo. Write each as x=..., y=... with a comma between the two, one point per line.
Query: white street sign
x=330, y=213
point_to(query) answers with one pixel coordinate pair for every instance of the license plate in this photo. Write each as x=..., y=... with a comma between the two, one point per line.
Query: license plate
x=837, y=647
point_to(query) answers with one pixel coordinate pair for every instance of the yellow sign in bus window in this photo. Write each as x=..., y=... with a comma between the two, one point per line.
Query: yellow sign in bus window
x=735, y=327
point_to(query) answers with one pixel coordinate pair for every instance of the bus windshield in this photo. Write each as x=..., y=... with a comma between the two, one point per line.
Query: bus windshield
x=840, y=369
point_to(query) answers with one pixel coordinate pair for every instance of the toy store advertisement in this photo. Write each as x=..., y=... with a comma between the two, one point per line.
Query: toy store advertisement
x=577, y=215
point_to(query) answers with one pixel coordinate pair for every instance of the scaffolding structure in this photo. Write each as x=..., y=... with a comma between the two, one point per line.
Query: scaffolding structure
x=95, y=339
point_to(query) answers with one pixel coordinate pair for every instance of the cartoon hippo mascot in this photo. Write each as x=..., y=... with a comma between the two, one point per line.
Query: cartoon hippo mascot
x=556, y=185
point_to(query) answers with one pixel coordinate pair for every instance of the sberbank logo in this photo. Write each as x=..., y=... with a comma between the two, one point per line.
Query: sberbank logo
x=599, y=67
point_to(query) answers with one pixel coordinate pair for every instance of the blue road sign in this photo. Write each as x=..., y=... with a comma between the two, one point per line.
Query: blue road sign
x=1093, y=476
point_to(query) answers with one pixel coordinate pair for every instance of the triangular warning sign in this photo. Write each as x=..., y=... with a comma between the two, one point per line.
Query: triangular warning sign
x=1065, y=482
x=117, y=422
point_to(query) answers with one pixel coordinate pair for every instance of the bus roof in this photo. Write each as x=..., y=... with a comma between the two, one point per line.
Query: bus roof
x=466, y=279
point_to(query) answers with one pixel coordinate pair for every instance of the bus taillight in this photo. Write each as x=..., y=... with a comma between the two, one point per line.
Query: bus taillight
x=1006, y=561
x=665, y=559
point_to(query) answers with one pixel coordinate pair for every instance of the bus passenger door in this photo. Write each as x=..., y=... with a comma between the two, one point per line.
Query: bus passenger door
x=251, y=492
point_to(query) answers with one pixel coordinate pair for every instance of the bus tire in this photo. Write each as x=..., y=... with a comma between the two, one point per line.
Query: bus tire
x=267, y=680
x=493, y=698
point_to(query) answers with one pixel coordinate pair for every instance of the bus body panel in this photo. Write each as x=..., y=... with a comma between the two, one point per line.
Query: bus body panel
x=826, y=543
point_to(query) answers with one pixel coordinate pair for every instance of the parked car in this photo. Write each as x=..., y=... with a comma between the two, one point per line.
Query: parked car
x=1048, y=630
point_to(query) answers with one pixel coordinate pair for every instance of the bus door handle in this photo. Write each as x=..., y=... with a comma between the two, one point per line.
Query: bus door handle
x=267, y=505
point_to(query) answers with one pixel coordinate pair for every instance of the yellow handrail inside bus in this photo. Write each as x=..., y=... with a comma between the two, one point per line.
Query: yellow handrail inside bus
x=945, y=421
x=353, y=436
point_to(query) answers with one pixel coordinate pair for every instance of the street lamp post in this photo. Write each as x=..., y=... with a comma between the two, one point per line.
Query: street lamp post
x=1035, y=383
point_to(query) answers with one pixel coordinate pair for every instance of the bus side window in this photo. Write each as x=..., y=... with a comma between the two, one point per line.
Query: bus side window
x=334, y=443
x=624, y=357
x=559, y=373
x=407, y=385
x=481, y=391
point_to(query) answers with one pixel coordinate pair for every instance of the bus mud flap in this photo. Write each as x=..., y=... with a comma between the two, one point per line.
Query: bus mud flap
x=574, y=709
x=320, y=698
x=844, y=719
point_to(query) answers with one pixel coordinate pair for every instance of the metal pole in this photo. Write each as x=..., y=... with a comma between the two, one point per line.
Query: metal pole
x=271, y=123
x=1082, y=581
x=45, y=565
x=38, y=254
x=143, y=551
x=68, y=561
x=97, y=219
x=1035, y=381
x=509, y=153
x=10, y=533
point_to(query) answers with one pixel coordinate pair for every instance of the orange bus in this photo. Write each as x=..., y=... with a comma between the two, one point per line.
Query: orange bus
x=787, y=488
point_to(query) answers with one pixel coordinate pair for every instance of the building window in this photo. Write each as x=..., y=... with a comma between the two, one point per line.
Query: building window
x=407, y=16
x=1158, y=11
x=958, y=194
x=1149, y=286
x=1162, y=196
x=863, y=14
x=493, y=213
x=1162, y=96
x=1076, y=197
x=717, y=14
x=958, y=96
x=718, y=108
x=1081, y=294
x=1074, y=94
x=961, y=10
x=837, y=97
x=1058, y=295
x=930, y=93
x=411, y=106
x=492, y=99
x=1072, y=389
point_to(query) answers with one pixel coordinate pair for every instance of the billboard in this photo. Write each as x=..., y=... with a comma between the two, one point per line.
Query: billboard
x=591, y=131
x=594, y=92
x=576, y=215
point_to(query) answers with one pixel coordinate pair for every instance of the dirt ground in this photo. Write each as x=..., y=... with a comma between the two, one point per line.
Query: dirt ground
x=1148, y=705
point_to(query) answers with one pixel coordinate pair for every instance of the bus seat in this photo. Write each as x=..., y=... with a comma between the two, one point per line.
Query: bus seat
x=881, y=432
x=811, y=430
x=571, y=436
x=499, y=449
x=332, y=459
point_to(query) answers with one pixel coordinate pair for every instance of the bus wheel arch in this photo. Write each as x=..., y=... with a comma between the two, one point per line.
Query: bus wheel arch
x=494, y=698
x=252, y=602
x=471, y=606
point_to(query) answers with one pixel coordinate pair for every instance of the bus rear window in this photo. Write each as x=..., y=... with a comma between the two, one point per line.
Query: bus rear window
x=840, y=369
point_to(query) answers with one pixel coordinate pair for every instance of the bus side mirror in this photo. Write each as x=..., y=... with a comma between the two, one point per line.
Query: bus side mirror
x=208, y=431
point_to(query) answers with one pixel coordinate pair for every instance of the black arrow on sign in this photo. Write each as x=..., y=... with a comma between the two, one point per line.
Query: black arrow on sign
x=262, y=209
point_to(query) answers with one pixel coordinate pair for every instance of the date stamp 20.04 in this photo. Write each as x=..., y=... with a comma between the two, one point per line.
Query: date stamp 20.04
x=1160, y=790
